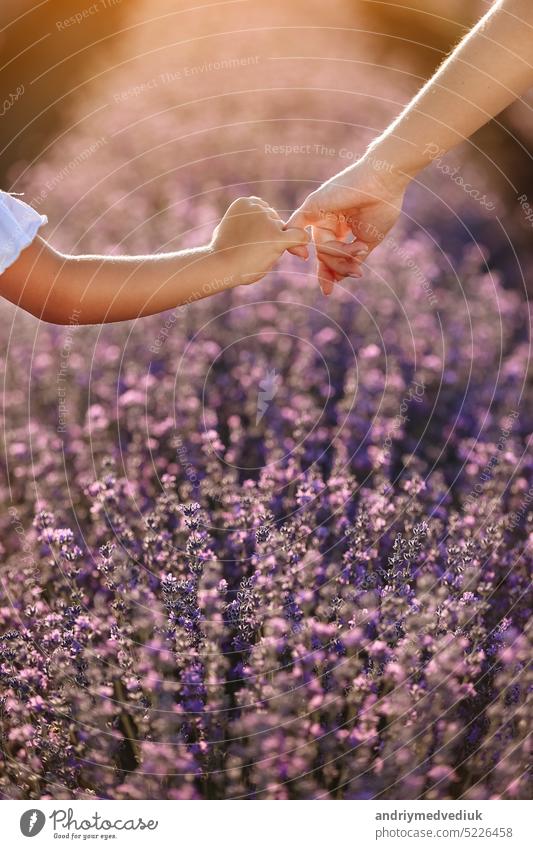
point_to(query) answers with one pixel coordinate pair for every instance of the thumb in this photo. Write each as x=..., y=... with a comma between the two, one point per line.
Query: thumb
x=300, y=250
x=301, y=217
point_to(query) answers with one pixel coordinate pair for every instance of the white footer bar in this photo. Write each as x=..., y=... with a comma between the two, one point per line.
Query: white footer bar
x=268, y=824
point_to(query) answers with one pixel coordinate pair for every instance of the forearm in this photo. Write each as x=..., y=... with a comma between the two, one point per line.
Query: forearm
x=106, y=289
x=95, y=289
x=489, y=69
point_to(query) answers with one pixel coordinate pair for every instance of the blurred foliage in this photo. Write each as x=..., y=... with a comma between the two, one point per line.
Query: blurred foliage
x=425, y=29
x=48, y=61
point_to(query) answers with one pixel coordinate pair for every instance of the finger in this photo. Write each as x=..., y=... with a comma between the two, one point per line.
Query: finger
x=258, y=200
x=301, y=217
x=325, y=231
x=294, y=236
x=339, y=260
x=334, y=254
x=339, y=250
x=341, y=268
x=360, y=249
x=339, y=257
x=352, y=250
x=300, y=251
x=326, y=278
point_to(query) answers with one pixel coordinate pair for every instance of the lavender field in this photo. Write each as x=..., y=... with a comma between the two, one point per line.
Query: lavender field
x=268, y=546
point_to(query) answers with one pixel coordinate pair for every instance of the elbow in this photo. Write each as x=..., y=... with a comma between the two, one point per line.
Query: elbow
x=41, y=283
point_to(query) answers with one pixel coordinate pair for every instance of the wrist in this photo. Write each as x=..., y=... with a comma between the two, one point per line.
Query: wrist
x=384, y=171
x=224, y=267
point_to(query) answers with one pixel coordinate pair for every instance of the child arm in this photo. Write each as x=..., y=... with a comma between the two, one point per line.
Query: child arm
x=100, y=289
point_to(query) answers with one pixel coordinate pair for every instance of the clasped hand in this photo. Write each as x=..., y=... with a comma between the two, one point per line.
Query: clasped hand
x=349, y=216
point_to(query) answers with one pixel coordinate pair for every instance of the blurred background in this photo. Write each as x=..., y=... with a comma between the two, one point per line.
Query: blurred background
x=132, y=124
x=234, y=76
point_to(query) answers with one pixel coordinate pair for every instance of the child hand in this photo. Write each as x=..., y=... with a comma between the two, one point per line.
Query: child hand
x=251, y=238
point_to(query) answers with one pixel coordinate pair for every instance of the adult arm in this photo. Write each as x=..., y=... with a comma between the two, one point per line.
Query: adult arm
x=489, y=69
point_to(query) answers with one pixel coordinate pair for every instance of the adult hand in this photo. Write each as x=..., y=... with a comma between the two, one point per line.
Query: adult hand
x=360, y=201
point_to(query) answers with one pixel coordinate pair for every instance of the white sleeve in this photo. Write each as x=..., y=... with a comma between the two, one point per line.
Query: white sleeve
x=18, y=227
